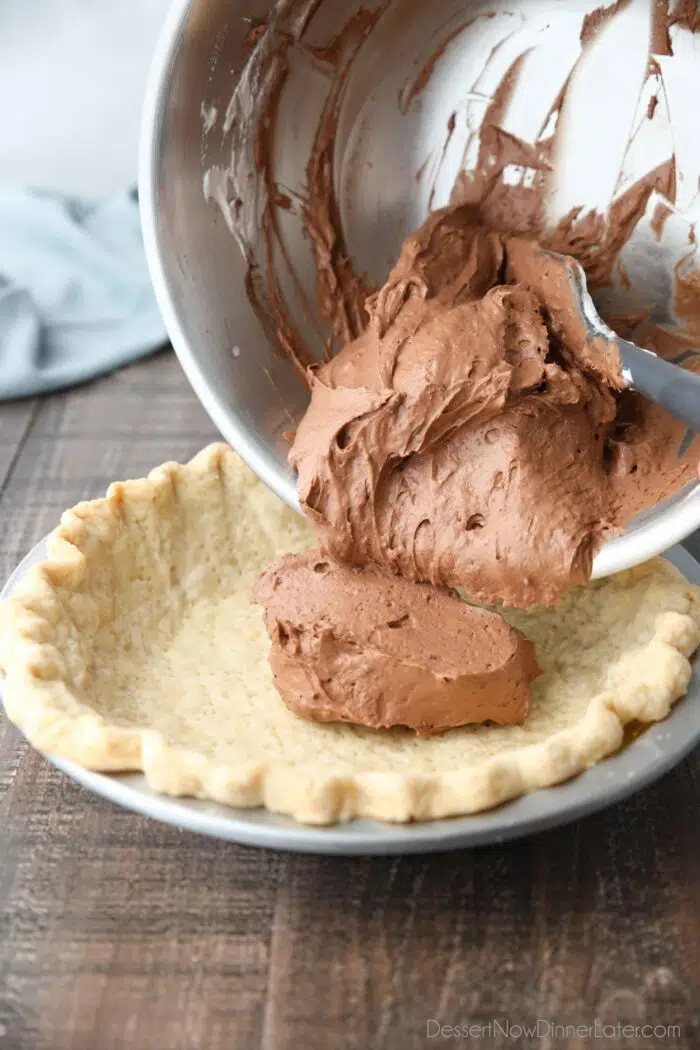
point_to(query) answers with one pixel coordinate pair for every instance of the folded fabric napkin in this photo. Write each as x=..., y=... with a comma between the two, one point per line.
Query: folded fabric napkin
x=75, y=294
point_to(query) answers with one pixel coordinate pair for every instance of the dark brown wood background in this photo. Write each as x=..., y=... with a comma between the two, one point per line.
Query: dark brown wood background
x=117, y=932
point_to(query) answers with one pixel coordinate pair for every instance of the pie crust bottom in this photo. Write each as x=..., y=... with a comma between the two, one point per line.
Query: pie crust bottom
x=135, y=647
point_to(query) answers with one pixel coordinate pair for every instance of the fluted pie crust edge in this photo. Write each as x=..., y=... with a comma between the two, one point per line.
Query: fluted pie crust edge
x=134, y=646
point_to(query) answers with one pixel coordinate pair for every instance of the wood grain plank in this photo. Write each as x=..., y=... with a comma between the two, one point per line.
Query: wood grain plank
x=584, y=922
x=120, y=426
x=15, y=420
x=117, y=932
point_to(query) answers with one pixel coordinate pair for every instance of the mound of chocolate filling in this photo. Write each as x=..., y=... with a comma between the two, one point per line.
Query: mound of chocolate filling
x=356, y=645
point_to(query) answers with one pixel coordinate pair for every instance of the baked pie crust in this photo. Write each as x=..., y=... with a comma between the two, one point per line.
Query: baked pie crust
x=135, y=647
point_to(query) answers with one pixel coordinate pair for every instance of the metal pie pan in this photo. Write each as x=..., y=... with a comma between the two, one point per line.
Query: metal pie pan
x=643, y=761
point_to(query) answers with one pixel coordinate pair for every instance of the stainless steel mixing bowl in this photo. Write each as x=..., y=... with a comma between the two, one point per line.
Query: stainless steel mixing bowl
x=403, y=90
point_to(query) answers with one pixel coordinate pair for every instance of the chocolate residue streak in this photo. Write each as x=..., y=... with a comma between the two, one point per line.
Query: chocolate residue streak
x=596, y=240
x=630, y=322
x=285, y=330
x=658, y=219
x=625, y=279
x=686, y=301
x=257, y=29
x=686, y=15
x=406, y=97
x=660, y=39
x=258, y=198
x=253, y=210
x=281, y=200
x=626, y=324
x=667, y=341
x=422, y=170
x=654, y=69
x=555, y=108
x=451, y=125
x=596, y=20
x=341, y=293
x=512, y=209
x=651, y=108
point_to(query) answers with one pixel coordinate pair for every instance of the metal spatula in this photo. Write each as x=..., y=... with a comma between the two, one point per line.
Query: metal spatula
x=676, y=389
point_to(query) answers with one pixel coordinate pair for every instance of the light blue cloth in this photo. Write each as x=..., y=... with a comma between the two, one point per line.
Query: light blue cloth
x=75, y=295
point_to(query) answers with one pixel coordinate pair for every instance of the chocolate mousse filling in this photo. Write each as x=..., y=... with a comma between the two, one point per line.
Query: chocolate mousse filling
x=355, y=645
x=473, y=436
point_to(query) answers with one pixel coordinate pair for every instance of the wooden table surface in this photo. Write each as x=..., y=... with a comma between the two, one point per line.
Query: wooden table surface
x=118, y=932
